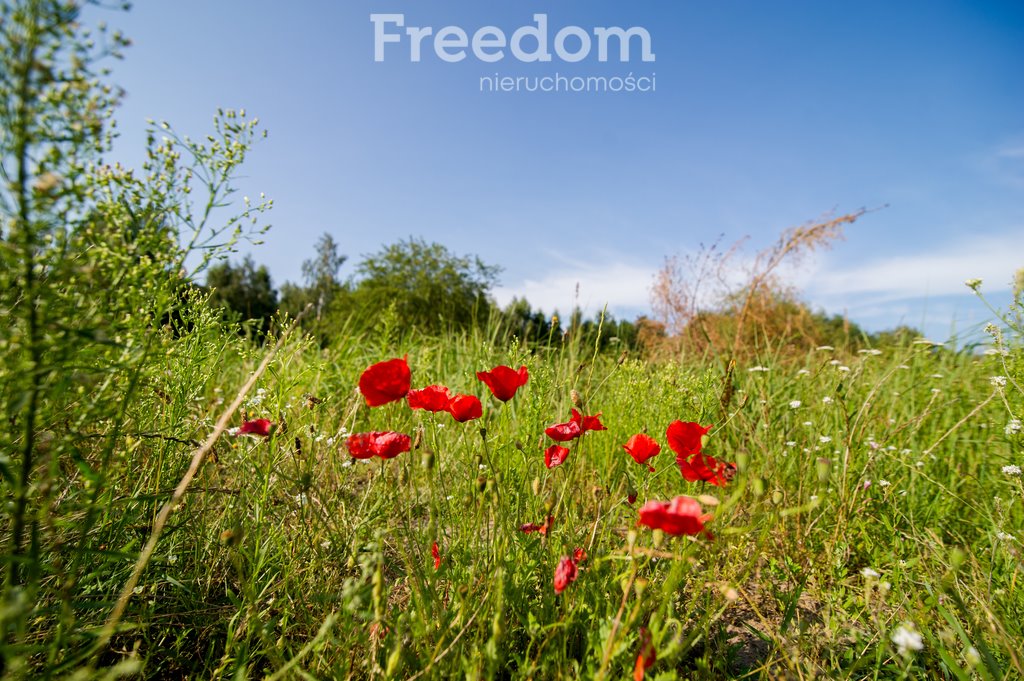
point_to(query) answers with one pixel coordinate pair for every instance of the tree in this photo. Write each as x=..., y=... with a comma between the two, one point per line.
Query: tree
x=244, y=289
x=430, y=287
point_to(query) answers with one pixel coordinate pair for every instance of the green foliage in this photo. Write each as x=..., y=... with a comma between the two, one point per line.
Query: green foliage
x=245, y=290
x=430, y=287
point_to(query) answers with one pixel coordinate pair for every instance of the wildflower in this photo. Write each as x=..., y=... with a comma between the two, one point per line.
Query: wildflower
x=803, y=372
x=824, y=348
x=704, y=468
x=874, y=352
x=869, y=573
x=682, y=515
x=436, y=553
x=579, y=555
x=576, y=426
x=1012, y=469
x=527, y=528
x=565, y=574
x=795, y=404
x=258, y=427
x=504, y=381
x=385, y=382
x=433, y=398
x=973, y=284
x=646, y=657
x=824, y=439
x=884, y=483
x=754, y=370
x=631, y=498
x=790, y=443
x=686, y=438
x=844, y=369
x=642, y=447
x=465, y=408
x=1013, y=427
x=998, y=381
x=1004, y=536
x=555, y=456
x=907, y=638
x=386, y=445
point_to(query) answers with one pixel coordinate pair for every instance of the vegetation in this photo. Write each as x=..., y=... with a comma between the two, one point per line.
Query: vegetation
x=871, y=527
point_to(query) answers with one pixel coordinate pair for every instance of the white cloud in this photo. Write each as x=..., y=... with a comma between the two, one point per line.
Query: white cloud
x=619, y=285
x=941, y=271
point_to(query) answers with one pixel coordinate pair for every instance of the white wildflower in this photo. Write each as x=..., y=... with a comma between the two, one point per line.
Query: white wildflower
x=998, y=381
x=827, y=400
x=870, y=351
x=1004, y=536
x=757, y=369
x=884, y=483
x=1013, y=427
x=907, y=638
x=973, y=284
x=835, y=362
x=844, y=369
x=790, y=443
x=803, y=372
x=825, y=348
x=824, y=439
x=1012, y=469
x=795, y=404
x=869, y=573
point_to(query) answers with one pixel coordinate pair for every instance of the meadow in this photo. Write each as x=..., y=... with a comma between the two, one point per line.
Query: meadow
x=188, y=497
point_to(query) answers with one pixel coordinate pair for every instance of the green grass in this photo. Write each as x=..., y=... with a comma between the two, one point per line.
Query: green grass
x=287, y=557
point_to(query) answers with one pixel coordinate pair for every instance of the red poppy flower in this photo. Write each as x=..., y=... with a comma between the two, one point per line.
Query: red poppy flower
x=579, y=555
x=682, y=515
x=433, y=398
x=563, y=432
x=646, y=657
x=385, y=445
x=437, y=555
x=555, y=456
x=631, y=498
x=588, y=422
x=642, y=447
x=259, y=427
x=527, y=528
x=504, y=381
x=465, y=408
x=565, y=574
x=385, y=382
x=685, y=438
x=704, y=468
x=574, y=427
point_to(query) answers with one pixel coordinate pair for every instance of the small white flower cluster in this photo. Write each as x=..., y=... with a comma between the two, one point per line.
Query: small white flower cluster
x=998, y=381
x=870, y=351
x=1012, y=469
x=257, y=399
x=826, y=400
x=824, y=439
x=758, y=369
x=824, y=348
x=1013, y=427
x=907, y=639
x=795, y=404
x=869, y=573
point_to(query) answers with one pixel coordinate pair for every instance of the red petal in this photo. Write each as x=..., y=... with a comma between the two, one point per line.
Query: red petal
x=385, y=382
x=259, y=427
x=563, y=432
x=555, y=456
x=503, y=381
x=642, y=447
x=685, y=437
x=565, y=574
x=465, y=408
x=433, y=398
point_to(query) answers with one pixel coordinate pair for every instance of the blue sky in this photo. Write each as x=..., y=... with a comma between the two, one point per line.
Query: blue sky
x=766, y=115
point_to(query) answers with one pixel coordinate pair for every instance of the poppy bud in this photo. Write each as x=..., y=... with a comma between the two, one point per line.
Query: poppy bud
x=483, y=434
x=824, y=469
x=757, y=487
x=519, y=446
x=742, y=458
x=548, y=505
x=394, y=660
